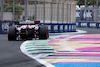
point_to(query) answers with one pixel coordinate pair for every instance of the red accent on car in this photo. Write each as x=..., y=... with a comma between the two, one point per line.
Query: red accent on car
x=36, y=22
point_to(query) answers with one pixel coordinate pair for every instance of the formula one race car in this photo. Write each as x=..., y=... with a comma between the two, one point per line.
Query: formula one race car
x=28, y=30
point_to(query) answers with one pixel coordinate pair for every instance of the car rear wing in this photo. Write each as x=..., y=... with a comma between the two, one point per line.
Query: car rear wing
x=26, y=22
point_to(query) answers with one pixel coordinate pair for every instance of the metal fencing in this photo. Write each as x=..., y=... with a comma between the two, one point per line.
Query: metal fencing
x=59, y=15
x=56, y=11
x=88, y=16
x=0, y=9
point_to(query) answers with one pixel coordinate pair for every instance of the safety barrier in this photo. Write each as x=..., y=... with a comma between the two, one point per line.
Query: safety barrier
x=84, y=15
x=58, y=28
x=4, y=25
x=53, y=27
x=88, y=24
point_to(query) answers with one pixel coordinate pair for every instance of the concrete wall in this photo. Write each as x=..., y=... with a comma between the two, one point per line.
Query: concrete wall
x=7, y=15
x=68, y=17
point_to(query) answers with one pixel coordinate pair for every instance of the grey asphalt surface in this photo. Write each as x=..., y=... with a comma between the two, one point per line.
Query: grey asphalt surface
x=90, y=30
x=11, y=56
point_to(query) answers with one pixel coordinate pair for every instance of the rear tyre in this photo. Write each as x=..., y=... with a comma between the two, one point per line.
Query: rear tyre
x=12, y=33
x=43, y=32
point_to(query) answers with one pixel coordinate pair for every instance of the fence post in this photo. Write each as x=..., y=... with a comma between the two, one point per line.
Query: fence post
x=13, y=9
x=25, y=9
x=2, y=9
x=44, y=12
x=57, y=11
x=85, y=9
x=63, y=11
x=38, y=10
x=71, y=11
x=51, y=12
x=67, y=11
x=35, y=18
x=96, y=2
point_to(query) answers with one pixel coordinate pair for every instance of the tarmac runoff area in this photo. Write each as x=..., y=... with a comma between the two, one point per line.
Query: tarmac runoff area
x=74, y=49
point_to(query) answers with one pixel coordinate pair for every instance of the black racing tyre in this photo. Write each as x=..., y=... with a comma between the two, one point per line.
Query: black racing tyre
x=43, y=32
x=12, y=33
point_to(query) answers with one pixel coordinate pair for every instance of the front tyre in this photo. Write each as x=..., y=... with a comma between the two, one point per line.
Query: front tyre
x=43, y=32
x=12, y=33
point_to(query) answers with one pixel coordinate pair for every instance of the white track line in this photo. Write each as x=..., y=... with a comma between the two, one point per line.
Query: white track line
x=22, y=47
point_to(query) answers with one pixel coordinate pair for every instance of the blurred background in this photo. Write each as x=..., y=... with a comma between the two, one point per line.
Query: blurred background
x=63, y=15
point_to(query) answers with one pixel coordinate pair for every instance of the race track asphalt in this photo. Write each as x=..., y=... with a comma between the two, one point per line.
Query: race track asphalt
x=11, y=56
x=90, y=30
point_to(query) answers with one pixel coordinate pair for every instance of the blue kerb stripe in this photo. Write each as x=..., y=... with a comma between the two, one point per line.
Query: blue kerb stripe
x=78, y=51
x=63, y=57
x=67, y=55
x=77, y=65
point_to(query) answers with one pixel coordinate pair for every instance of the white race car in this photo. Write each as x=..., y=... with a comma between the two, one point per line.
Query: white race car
x=28, y=30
